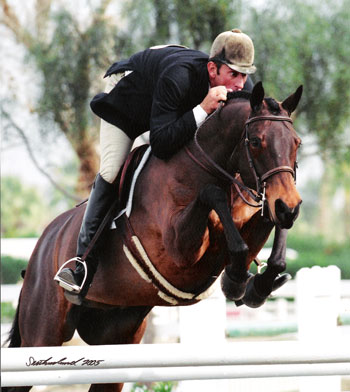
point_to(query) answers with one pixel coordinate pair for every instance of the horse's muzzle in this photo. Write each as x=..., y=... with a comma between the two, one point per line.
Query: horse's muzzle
x=286, y=215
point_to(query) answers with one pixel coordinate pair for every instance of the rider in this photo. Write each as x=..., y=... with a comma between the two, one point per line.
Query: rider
x=169, y=90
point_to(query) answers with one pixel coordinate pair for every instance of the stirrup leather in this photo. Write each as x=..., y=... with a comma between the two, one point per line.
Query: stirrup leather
x=67, y=286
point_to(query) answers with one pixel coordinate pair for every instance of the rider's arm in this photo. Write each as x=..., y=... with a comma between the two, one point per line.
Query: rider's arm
x=171, y=127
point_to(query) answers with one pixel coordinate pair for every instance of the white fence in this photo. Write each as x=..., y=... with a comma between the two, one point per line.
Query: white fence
x=165, y=362
x=204, y=355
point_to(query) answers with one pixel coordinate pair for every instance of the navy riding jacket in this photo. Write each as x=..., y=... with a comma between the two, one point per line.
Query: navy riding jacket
x=159, y=95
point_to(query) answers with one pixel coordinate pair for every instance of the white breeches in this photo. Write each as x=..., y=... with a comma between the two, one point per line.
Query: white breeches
x=115, y=145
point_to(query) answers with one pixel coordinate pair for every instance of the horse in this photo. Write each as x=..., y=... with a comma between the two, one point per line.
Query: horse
x=204, y=213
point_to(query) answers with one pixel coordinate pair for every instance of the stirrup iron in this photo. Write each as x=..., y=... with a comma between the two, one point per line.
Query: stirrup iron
x=71, y=287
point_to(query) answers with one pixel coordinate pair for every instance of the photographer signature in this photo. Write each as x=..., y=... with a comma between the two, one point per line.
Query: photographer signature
x=63, y=361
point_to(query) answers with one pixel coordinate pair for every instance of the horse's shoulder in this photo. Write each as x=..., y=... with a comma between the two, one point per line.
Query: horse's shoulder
x=69, y=214
x=63, y=219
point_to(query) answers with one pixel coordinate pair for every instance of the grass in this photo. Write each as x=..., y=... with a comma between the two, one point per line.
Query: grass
x=166, y=386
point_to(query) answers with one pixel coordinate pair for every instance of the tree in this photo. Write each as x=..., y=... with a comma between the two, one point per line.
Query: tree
x=308, y=44
x=193, y=23
x=69, y=59
x=303, y=42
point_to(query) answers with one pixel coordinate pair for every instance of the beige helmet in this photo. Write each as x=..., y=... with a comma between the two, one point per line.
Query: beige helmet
x=235, y=49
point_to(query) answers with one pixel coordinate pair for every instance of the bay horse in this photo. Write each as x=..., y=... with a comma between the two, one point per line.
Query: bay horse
x=207, y=210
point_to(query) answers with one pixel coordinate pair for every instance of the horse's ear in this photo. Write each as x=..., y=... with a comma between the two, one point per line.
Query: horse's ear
x=292, y=101
x=257, y=97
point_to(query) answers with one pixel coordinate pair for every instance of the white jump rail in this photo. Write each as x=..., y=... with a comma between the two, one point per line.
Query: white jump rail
x=166, y=362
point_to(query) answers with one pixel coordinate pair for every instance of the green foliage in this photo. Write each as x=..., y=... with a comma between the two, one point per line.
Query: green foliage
x=23, y=210
x=305, y=43
x=11, y=269
x=326, y=204
x=301, y=43
x=262, y=330
x=166, y=386
x=7, y=312
x=315, y=250
x=200, y=21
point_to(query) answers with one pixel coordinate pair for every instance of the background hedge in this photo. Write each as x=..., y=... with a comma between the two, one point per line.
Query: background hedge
x=11, y=269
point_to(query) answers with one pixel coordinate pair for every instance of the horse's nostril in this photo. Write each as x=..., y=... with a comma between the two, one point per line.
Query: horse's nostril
x=281, y=206
x=285, y=214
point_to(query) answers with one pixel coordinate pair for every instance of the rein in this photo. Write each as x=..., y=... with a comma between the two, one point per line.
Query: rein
x=209, y=165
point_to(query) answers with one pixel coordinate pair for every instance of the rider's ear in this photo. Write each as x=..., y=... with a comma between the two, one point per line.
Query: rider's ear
x=292, y=101
x=212, y=70
x=257, y=97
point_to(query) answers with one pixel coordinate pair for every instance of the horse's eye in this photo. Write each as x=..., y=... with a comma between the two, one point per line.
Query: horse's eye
x=255, y=142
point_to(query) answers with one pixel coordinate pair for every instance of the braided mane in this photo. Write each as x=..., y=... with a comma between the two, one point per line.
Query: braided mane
x=243, y=94
x=272, y=104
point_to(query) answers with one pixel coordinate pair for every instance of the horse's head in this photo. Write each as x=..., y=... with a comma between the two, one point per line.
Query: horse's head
x=268, y=153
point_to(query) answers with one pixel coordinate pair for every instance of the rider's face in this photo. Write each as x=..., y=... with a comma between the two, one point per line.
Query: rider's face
x=227, y=77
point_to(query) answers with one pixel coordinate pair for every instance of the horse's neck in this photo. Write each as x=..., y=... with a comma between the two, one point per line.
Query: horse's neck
x=222, y=132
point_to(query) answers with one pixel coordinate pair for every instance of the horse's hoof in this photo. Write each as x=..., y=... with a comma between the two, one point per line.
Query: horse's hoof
x=280, y=281
x=252, y=298
x=232, y=289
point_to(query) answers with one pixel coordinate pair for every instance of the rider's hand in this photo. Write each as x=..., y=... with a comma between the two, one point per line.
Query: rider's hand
x=213, y=98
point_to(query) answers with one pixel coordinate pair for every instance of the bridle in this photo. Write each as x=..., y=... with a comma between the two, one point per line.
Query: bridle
x=258, y=195
x=260, y=181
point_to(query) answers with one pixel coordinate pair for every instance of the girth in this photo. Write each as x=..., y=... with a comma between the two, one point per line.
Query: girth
x=139, y=259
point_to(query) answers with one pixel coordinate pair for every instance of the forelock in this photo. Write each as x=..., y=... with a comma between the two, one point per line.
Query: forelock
x=273, y=105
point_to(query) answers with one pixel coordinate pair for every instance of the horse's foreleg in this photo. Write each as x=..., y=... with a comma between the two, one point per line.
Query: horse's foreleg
x=261, y=286
x=193, y=224
x=235, y=277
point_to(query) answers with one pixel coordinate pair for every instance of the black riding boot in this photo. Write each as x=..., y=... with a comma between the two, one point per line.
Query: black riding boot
x=102, y=196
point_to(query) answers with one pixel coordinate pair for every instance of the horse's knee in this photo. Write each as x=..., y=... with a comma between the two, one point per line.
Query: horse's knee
x=280, y=266
x=238, y=254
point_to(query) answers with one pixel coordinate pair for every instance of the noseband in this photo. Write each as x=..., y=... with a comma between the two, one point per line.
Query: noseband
x=213, y=168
